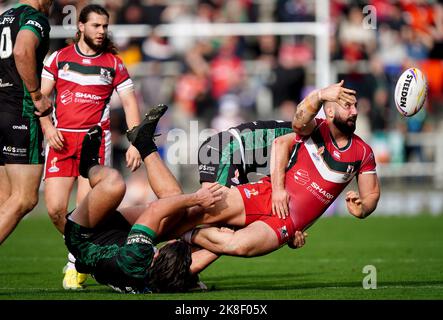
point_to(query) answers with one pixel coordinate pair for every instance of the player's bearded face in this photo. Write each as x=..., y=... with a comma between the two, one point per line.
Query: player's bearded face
x=346, y=124
x=94, y=43
x=95, y=31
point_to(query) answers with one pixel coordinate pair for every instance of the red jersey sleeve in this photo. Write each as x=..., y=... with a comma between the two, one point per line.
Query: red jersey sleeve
x=122, y=80
x=368, y=163
x=50, y=69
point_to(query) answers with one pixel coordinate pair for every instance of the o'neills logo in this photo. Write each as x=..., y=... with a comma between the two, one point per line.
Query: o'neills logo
x=22, y=127
x=404, y=91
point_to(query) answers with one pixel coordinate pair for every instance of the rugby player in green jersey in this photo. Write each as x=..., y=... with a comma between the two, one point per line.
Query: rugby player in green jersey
x=24, y=43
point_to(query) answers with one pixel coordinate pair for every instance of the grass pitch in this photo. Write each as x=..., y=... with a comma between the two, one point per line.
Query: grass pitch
x=407, y=253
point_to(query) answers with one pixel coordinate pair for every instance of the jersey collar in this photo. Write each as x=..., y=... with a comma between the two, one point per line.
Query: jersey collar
x=80, y=53
x=336, y=145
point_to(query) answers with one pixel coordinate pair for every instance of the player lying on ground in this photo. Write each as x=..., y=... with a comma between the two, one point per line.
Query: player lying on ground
x=102, y=239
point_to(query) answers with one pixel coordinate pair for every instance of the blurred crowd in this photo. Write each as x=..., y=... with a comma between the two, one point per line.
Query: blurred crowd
x=223, y=81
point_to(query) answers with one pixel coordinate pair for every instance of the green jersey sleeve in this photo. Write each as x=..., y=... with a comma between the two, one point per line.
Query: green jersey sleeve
x=37, y=23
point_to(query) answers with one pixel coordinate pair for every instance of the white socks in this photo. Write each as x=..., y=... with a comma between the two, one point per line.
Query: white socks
x=71, y=261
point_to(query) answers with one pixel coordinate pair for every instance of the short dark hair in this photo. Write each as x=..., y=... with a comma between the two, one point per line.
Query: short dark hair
x=171, y=269
x=108, y=46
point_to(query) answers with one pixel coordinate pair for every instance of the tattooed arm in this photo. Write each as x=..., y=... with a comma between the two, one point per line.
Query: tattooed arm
x=303, y=122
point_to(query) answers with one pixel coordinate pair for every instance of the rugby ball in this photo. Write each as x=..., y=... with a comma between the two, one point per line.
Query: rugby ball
x=410, y=92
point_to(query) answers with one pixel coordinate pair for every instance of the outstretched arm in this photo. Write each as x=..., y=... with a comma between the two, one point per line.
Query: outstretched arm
x=160, y=215
x=363, y=203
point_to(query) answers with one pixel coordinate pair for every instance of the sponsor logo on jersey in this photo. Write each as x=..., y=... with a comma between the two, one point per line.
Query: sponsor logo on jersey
x=235, y=178
x=7, y=20
x=336, y=154
x=139, y=239
x=86, y=61
x=105, y=75
x=301, y=177
x=249, y=193
x=87, y=96
x=206, y=168
x=5, y=85
x=14, y=151
x=79, y=97
x=22, y=127
x=322, y=191
x=66, y=97
x=35, y=24
x=54, y=167
x=321, y=194
x=8, y=149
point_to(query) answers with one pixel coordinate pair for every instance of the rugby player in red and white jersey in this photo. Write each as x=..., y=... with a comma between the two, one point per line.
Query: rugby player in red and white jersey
x=84, y=76
x=309, y=169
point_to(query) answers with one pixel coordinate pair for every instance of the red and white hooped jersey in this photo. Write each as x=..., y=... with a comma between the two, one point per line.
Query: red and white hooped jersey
x=319, y=170
x=84, y=85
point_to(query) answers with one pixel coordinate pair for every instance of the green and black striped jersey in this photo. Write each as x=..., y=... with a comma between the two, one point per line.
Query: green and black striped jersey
x=248, y=148
x=13, y=93
x=255, y=139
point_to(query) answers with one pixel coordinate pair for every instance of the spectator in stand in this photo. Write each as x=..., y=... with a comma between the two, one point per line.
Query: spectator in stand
x=133, y=12
x=113, y=7
x=295, y=11
x=227, y=70
x=357, y=42
x=228, y=115
x=154, y=12
x=289, y=78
